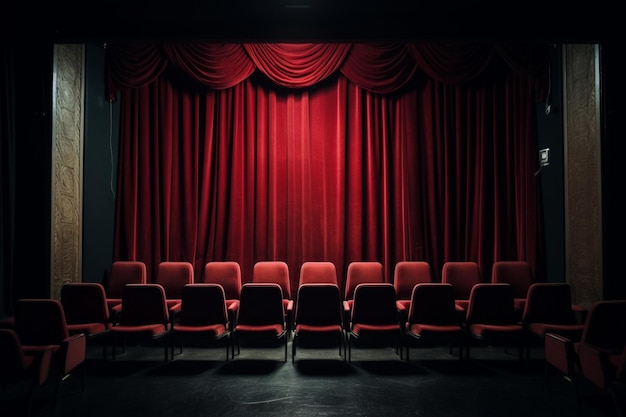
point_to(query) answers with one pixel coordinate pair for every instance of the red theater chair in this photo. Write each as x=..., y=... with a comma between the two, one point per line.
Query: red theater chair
x=491, y=317
x=519, y=275
x=318, y=317
x=228, y=275
x=173, y=276
x=432, y=318
x=40, y=324
x=318, y=272
x=86, y=310
x=144, y=316
x=261, y=315
x=18, y=367
x=276, y=272
x=406, y=275
x=203, y=316
x=463, y=276
x=122, y=273
x=374, y=318
x=360, y=272
x=599, y=356
x=549, y=309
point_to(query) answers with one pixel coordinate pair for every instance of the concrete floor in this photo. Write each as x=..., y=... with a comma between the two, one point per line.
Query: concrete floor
x=200, y=382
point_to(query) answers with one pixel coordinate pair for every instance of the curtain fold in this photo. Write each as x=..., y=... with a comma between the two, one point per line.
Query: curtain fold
x=217, y=66
x=364, y=165
x=297, y=65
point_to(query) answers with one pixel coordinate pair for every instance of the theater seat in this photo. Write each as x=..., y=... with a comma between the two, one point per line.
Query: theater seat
x=374, y=317
x=599, y=356
x=318, y=317
x=41, y=325
x=17, y=366
x=261, y=315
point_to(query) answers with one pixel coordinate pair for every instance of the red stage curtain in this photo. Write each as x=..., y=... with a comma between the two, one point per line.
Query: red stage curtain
x=329, y=169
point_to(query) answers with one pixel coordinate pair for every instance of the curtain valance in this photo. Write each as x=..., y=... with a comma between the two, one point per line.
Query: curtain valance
x=376, y=67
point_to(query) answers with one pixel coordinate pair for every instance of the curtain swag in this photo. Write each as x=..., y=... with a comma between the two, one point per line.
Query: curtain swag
x=376, y=67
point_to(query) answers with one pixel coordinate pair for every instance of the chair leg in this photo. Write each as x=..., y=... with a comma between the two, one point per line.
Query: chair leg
x=617, y=399
x=349, y=348
x=29, y=400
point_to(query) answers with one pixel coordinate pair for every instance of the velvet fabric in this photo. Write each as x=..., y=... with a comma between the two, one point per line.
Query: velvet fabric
x=317, y=272
x=203, y=315
x=406, y=275
x=228, y=275
x=337, y=152
x=85, y=307
x=261, y=315
x=549, y=309
x=144, y=316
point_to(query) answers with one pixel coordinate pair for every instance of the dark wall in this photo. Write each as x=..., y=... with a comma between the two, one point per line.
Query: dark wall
x=100, y=169
x=613, y=85
x=33, y=162
x=551, y=179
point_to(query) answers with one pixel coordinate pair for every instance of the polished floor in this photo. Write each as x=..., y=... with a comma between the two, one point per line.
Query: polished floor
x=376, y=382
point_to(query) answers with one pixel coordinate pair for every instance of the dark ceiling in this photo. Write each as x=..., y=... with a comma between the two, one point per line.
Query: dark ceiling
x=311, y=20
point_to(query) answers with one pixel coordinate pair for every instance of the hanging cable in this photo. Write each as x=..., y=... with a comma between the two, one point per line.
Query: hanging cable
x=111, y=145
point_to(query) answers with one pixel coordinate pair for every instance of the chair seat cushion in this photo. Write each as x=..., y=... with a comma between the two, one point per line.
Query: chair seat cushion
x=427, y=329
x=211, y=329
x=307, y=328
x=270, y=329
x=519, y=304
x=88, y=328
x=232, y=305
x=486, y=330
x=38, y=349
x=112, y=302
x=403, y=305
x=362, y=329
x=147, y=329
x=571, y=331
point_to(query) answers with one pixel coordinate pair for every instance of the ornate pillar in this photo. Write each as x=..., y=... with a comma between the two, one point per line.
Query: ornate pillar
x=583, y=186
x=67, y=165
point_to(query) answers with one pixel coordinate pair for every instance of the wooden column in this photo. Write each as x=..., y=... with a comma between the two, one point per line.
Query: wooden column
x=583, y=185
x=67, y=165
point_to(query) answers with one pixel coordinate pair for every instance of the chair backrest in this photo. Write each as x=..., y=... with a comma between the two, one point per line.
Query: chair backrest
x=12, y=360
x=491, y=303
x=225, y=273
x=361, y=272
x=173, y=276
x=605, y=326
x=276, y=272
x=40, y=322
x=143, y=304
x=374, y=304
x=407, y=274
x=433, y=303
x=463, y=275
x=84, y=302
x=516, y=273
x=319, y=304
x=550, y=303
x=261, y=304
x=318, y=272
x=122, y=273
x=203, y=304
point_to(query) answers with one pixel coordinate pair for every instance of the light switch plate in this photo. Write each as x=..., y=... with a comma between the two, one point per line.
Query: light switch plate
x=544, y=157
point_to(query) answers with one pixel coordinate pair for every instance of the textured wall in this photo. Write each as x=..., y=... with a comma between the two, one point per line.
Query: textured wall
x=67, y=162
x=583, y=226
